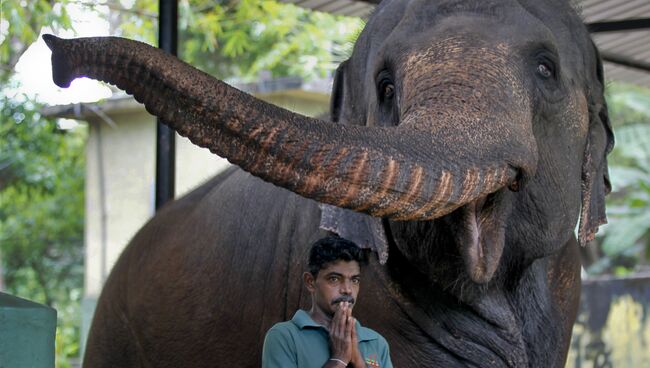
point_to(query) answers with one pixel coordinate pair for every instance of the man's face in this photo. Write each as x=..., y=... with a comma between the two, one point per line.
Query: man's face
x=336, y=282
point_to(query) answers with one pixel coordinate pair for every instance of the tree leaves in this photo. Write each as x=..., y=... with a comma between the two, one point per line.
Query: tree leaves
x=241, y=39
x=42, y=167
x=41, y=212
x=21, y=23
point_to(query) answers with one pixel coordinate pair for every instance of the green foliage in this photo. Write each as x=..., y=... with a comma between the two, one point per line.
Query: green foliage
x=625, y=241
x=41, y=214
x=21, y=22
x=628, y=104
x=240, y=39
x=41, y=166
x=41, y=185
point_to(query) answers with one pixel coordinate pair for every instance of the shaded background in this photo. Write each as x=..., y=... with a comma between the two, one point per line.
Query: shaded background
x=76, y=176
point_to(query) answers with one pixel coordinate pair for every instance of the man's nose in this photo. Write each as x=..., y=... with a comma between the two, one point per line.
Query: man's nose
x=346, y=287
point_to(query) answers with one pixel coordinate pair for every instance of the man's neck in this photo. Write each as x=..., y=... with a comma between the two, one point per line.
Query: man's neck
x=319, y=317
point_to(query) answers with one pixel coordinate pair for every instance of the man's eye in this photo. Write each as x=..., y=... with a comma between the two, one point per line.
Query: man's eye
x=333, y=279
x=356, y=281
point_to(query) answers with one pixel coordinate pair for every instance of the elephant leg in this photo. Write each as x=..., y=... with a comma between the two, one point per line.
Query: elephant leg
x=111, y=342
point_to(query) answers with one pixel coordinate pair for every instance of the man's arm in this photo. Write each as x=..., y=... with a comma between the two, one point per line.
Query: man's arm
x=279, y=350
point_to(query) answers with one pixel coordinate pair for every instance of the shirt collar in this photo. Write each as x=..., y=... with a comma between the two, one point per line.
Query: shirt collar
x=303, y=320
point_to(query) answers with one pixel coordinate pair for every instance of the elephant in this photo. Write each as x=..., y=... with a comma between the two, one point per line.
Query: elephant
x=466, y=150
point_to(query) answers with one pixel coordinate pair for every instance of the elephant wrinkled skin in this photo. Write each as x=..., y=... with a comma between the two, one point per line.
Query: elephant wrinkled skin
x=467, y=138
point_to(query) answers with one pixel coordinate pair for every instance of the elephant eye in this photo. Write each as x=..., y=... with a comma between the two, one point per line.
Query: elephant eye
x=387, y=111
x=389, y=91
x=544, y=70
x=385, y=87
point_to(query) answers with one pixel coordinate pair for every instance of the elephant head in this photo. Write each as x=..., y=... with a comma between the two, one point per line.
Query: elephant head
x=480, y=124
x=512, y=85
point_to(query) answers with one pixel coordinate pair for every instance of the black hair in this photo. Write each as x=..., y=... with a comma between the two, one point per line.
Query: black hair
x=333, y=248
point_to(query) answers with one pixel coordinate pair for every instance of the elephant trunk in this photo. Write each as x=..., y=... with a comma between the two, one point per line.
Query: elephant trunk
x=374, y=170
x=482, y=117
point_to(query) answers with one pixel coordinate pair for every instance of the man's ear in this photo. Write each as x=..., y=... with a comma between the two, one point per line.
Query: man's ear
x=338, y=92
x=595, y=175
x=308, y=279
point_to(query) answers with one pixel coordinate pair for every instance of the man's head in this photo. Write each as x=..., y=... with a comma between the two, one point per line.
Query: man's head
x=334, y=274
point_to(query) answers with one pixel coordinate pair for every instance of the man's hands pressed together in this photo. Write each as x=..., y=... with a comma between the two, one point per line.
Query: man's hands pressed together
x=344, y=343
x=341, y=335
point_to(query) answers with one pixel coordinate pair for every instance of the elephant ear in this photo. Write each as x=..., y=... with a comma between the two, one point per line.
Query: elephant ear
x=595, y=176
x=338, y=87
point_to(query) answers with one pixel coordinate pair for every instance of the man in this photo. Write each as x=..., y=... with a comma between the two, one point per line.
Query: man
x=327, y=335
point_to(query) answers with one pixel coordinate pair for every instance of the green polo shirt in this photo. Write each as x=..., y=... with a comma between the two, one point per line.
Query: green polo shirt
x=302, y=343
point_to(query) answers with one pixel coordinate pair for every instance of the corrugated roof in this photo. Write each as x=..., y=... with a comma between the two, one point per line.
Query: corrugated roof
x=629, y=44
x=633, y=45
x=353, y=8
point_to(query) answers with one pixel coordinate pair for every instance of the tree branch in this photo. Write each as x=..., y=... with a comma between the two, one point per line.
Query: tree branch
x=40, y=278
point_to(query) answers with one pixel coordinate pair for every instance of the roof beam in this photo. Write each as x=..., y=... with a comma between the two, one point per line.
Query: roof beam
x=620, y=25
x=639, y=24
x=625, y=61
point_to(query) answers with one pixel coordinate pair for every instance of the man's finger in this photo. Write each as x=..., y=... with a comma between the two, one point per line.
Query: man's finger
x=340, y=311
x=353, y=336
x=336, y=321
x=343, y=320
x=348, y=327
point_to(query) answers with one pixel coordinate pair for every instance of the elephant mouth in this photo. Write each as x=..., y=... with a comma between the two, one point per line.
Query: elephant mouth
x=479, y=232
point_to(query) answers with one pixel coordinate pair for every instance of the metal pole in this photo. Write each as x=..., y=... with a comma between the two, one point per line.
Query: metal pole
x=165, y=137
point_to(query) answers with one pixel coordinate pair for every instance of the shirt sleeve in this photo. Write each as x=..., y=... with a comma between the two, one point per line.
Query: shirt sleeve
x=279, y=349
x=385, y=354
